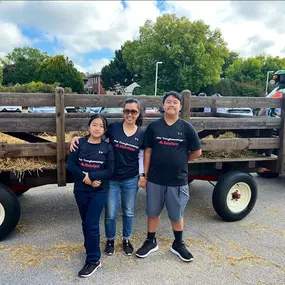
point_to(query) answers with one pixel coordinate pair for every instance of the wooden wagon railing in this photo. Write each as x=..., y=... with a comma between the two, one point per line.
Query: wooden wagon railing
x=22, y=125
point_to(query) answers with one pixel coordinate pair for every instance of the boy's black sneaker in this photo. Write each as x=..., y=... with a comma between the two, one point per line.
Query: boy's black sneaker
x=109, y=249
x=147, y=248
x=181, y=251
x=89, y=269
x=127, y=246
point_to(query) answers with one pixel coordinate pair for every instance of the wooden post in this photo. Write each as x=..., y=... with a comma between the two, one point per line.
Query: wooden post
x=186, y=105
x=60, y=136
x=281, y=153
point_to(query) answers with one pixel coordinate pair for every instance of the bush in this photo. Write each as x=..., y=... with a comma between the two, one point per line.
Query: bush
x=248, y=89
x=230, y=88
x=34, y=87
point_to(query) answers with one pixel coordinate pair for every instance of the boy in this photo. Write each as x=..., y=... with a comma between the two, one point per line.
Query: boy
x=170, y=143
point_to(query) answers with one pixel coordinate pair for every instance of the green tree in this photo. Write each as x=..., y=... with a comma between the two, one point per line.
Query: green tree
x=1, y=75
x=254, y=69
x=60, y=69
x=20, y=66
x=116, y=72
x=191, y=53
x=229, y=60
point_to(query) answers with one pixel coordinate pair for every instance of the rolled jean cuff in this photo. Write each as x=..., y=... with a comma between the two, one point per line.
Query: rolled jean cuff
x=113, y=238
x=127, y=237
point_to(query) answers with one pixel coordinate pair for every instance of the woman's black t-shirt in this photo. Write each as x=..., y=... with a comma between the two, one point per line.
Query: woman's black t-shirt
x=170, y=146
x=126, y=151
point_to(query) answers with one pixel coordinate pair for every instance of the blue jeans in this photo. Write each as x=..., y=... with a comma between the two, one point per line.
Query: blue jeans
x=126, y=189
x=91, y=205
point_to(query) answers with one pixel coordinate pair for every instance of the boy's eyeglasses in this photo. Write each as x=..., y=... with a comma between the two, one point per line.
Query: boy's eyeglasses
x=133, y=112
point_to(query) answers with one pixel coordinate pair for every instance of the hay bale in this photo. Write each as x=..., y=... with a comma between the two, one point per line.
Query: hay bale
x=21, y=164
x=233, y=153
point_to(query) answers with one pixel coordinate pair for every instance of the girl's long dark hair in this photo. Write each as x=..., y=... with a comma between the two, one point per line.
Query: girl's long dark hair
x=98, y=116
x=139, y=120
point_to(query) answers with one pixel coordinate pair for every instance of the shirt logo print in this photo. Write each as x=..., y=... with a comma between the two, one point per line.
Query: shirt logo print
x=136, y=139
x=180, y=134
x=100, y=152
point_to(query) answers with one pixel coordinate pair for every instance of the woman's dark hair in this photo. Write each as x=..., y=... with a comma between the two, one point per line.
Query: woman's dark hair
x=139, y=120
x=98, y=116
x=171, y=93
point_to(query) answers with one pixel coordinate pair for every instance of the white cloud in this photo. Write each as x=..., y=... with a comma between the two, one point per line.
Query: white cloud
x=10, y=37
x=87, y=26
x=94, y=65
x=82, y=26
x=239, y=21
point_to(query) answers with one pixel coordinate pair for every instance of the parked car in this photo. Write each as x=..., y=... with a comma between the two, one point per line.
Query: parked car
x=94, y=109
x=77, y=109
x=105, y=110
x=241, y=111
x=11, y=109
x=43, y=109
x=149, y=110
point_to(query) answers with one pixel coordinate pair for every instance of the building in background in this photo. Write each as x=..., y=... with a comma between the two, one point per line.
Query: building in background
x=93, y=84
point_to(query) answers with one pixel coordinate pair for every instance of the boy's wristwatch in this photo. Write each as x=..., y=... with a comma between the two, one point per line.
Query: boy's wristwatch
x=142, y=174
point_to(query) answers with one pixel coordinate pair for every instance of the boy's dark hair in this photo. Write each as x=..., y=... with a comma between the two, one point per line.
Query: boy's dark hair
x=139, y=119
x=98, y=116
x=171, y=93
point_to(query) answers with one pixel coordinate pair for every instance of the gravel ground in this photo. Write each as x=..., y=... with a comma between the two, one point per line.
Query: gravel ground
x=46, y=247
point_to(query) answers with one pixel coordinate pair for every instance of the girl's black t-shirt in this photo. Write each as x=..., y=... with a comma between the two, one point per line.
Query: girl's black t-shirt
x=96, y=159
x=126, y=151
x=170, y=146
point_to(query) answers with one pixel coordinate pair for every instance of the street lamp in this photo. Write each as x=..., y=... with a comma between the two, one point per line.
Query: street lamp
x=267, y=78
x=156, y=72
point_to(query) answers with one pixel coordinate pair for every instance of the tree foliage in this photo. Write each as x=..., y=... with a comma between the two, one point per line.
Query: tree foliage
x=254, y=69
x=20, y=66
x=60, y=69
x=192, y=54
x=116, y=72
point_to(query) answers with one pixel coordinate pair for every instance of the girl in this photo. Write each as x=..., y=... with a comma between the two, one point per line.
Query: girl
x=127, y=140
x=92, y=165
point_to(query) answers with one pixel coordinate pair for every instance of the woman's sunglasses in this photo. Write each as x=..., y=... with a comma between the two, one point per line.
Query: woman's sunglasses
x=133, y=112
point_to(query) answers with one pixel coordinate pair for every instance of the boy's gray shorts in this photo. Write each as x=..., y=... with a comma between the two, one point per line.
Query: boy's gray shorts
x=175, y=198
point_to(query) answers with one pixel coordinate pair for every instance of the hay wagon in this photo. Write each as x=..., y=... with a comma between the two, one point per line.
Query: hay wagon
x=228, y=161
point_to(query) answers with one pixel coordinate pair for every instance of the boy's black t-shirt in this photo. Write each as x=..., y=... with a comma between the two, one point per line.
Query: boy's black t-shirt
x=96, y=159
x=170, y=146
x=126, y=151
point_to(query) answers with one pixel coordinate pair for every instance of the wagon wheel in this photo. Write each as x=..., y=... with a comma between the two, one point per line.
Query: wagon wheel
x=234, y=196
x=9, y=211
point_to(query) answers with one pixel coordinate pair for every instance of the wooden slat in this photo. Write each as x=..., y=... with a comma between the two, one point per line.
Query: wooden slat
x=27, y=149
x=186, y=105
x=26, y=99
x=215, y=160
x=85, y=100
x=240, y=144
x=235, y=123
x=281, y=153
x=237, y=102
x=60, y=136
x=109, y=100
x=46, y=123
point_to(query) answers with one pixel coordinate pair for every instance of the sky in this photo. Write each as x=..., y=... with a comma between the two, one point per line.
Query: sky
x=89, y=32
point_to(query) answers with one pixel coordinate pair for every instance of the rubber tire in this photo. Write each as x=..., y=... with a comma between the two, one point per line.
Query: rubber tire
x=12, y=211
x=268, y=174
x=221, y=190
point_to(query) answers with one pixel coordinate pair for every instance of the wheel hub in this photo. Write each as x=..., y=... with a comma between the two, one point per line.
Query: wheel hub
x=239, y=197
x=2, y=214
x=236, y=195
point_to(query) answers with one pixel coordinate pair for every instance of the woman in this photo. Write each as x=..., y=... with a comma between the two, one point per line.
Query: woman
x=127, y=140
x=92, y=165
